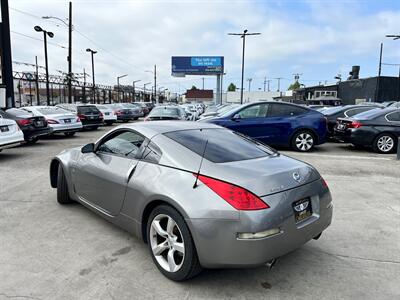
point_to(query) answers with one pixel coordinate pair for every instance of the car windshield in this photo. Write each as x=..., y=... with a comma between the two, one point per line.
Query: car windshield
x=370, y=114
x=50, y=110
x=222, y=146
x=165, y=112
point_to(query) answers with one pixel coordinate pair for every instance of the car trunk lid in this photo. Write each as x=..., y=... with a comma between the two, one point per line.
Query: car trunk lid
x=263, y=176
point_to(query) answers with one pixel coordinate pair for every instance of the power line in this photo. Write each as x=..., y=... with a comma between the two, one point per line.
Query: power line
x=37, y=39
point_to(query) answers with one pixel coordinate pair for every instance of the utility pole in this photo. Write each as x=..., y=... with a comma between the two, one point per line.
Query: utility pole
x=379, y=75
x=70, y=54
x=84, y=86
x=243, y=36
x=203, y=82
x=37, y=82
x=6, y=62
x=279, y=83
x=265, y=81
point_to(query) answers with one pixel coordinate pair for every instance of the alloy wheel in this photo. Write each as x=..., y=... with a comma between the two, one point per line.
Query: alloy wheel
x=304, y=141
x=167, y=243
x=385, y=143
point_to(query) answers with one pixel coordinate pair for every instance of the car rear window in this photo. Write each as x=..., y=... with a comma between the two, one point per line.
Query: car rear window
x=223, y=145
x=19, y=112
x=165, y=112
x=88, y=109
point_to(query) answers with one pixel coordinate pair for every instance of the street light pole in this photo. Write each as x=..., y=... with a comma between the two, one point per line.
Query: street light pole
x=243, y=36
x=45, y=34
x=396, y=37
x=92, y=52
x=144, y=89
x=133, y=85
x=122, y=76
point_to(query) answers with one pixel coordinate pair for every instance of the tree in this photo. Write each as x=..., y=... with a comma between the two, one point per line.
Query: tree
x=194, y=87
x=231, y=87
x=294, y=86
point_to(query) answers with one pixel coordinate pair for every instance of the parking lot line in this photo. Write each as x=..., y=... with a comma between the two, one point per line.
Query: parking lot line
x=343, y=156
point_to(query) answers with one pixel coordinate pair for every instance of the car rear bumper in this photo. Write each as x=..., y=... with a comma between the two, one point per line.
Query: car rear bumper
x=92, y=123
x=60, y=128
x=12, y=141
x=355, y=136
x=127, y=117
x=218, y=245
x=28, y=134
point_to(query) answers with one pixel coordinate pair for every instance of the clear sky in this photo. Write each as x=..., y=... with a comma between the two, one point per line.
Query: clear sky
x=318, y=39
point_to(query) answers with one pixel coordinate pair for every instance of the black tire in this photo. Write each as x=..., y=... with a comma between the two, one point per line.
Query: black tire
x=136, y=118
x=378, y=144
x=69, y=133
x=32, y=140
x=190, y=266
x=62, y=187
x=125, y=121
x=109, y=123
x=94, y=127
x=303, y=135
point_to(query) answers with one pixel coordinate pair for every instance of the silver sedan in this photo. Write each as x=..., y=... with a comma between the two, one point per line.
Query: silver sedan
x=199, y=195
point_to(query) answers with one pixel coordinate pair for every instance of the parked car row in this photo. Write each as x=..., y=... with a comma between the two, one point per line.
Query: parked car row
x=27, y=124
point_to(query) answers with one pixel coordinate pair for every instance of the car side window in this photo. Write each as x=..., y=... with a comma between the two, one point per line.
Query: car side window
x=125, y=143
x=393, y=117
x=254, y=111
x=284, y=110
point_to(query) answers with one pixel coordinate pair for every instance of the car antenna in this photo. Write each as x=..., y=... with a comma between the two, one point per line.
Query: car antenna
x=201, y=162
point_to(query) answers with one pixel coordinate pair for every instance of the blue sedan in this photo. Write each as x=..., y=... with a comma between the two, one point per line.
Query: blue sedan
x=277, y=124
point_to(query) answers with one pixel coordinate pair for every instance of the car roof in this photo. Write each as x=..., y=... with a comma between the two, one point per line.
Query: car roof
x=153, y=128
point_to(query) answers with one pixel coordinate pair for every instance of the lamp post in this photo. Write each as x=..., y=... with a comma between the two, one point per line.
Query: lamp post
x=69, y=58
x=243, y=36
x=155, y=81
x=395, y=37
x=133, y=85
x=144, y=89
x=118, y=78
x=92, y=52
x=51, y=35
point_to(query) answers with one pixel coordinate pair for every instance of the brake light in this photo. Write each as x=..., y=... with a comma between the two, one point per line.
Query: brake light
x=101, y=115
x=324, y=183
x=81, y=117
x=354, y=124
x=24, y=122
x=51, y=121
x=238, y=197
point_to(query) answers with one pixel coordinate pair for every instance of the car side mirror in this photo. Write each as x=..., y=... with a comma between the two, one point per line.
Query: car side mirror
x=236, y=117
x=89, y=148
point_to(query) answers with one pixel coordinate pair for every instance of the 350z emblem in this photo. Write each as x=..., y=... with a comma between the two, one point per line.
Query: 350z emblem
x=296, y=176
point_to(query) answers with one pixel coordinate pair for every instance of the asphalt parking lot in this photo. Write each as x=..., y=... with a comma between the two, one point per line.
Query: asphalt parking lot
x=48, y=251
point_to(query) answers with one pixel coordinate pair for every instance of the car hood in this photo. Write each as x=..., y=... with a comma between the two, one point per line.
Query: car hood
x=263, y=176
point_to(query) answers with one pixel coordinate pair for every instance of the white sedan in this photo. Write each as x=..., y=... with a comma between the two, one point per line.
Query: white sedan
x=60, y=120
x=10, y=134
x=108, y=114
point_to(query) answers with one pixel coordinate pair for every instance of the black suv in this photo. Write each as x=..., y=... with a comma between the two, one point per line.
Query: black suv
x=90, y=116
x=32, y=127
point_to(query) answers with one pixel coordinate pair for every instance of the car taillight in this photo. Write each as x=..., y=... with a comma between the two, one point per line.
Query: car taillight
x=101, y=115
x=81, y=117
x=118, y=112
x=324, y=183
x=77, y=119
x=24, y=122
x=51, y=121
x=354, y=124
x=236, y=196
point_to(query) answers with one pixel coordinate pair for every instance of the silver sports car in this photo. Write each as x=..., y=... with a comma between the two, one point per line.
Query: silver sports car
x=199, y=195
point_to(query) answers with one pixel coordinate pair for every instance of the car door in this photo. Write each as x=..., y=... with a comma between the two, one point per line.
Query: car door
x=101, y=177
x=250, y=121
x=281, y=121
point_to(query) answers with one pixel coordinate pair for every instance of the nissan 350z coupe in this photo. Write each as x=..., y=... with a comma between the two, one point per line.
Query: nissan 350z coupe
x=200, y=195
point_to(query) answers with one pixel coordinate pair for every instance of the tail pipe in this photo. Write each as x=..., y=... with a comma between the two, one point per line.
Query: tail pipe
x=270, y=264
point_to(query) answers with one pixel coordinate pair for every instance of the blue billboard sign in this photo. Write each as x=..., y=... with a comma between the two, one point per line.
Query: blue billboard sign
x=197, y=65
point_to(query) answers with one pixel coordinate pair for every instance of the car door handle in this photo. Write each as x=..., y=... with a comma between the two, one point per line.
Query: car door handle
x=131, y=172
